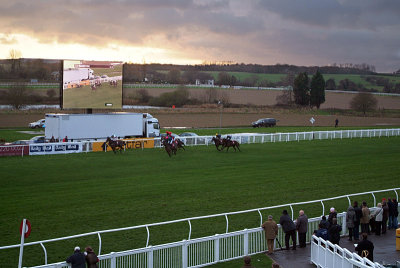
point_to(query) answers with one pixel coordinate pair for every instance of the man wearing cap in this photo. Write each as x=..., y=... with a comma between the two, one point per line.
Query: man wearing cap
x=77, y=260
x=271, y=230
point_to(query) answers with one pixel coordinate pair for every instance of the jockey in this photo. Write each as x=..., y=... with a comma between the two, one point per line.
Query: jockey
x=218, y=135
x=169, y=137
x=113, y=137
x=228, y=138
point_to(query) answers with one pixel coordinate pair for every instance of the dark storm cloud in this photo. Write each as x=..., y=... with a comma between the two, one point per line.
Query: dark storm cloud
x=308, y=32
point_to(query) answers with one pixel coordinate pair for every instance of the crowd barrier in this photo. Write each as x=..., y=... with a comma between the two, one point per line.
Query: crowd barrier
x=203, y=251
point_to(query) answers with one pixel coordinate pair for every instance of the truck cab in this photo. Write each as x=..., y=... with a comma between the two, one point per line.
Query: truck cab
x=151, y=126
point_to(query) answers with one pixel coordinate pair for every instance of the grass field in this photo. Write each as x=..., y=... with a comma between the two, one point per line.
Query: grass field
x=64, y=195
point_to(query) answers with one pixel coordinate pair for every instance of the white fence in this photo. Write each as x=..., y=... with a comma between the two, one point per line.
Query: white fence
x=326, y=254
x=244, y=138
x=203, y=251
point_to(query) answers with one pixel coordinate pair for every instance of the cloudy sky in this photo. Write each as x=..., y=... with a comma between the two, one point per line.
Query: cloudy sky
x=301, y=32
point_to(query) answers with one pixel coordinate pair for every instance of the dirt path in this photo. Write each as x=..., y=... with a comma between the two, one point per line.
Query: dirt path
x=207, y=118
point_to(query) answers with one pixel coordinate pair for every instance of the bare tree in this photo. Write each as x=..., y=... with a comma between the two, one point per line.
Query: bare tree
x=363, y=102
x=14, y=55
x=17, y=95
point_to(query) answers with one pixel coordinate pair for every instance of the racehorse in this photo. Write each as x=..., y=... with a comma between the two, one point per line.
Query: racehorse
x=230, y=143
x=169, y=148
x=118, y=144
x=218, y=142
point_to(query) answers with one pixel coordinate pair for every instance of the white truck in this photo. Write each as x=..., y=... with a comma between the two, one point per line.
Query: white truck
x=100, y=126
x=76, y=75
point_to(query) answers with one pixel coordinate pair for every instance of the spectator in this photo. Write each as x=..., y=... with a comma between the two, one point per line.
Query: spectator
x=385, y=216
x=301, y=226
x=271, y=231
x=378, y=215
x=321, y=232
x=289, y=228
x=336, y=122
x=65, y=139
x=275, y=265
x=356, y=230
x=77, y=260
x=91, y=258
x=396, y=213
x=332, y=214
x=247, y=262
x=324, y=222
x=334, y=232
x=52, y=139
x=365, y=248
x=391, y=213
x=350, y=219
x=365, y=218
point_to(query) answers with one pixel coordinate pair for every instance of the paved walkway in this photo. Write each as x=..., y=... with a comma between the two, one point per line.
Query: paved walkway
x=384, y=251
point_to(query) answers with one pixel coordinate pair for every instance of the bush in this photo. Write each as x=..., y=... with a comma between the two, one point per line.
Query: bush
x=178, y=98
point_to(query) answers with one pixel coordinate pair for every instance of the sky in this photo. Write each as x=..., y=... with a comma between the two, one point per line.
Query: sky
x=299, y=32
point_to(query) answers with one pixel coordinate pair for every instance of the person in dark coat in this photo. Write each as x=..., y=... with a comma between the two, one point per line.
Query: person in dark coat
x=396, y=213
x=321, y=232
x=385, y=217
x=324, y=222
x=332, y=214
x=350, y=219
x=91, y=258
x=365, y=248
x=289, y=228
x=301, y=227
x=77, y=260
x=356, y=230
x=334, y=232
x=391, y=213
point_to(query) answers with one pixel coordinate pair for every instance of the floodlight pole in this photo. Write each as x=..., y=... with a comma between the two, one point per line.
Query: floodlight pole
x=220, y=115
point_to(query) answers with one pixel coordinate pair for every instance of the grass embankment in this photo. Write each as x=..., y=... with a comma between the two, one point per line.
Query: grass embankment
x=64, y=195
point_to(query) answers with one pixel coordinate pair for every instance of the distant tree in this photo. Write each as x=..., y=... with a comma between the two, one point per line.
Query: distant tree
x=51, y=93
x=330, y=84
x=224, y=78
x=301, y=89
x=317, y=90
x=363, y=102
x=174, y=76
x=288, y=80
x=14, y=55
x=17, y=96
x=285, y=99
x=142, y=95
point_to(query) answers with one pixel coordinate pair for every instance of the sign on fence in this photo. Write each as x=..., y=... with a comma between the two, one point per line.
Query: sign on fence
x=9, y=150
x=55, y=148
x=130, y=144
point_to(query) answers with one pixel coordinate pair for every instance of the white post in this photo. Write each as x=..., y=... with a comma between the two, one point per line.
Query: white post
x=21, y=248
x=184, y=254
x=246, y=243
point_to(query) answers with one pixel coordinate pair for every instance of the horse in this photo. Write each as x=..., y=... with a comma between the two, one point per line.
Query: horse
x=227, y=143
x=218, y=142
x=118, y=144
x=179, y=144
x=169, y=148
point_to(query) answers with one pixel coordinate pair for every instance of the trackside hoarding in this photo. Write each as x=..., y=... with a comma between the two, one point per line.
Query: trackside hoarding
x=55, y=148
x=130, y=144
x=9, y=150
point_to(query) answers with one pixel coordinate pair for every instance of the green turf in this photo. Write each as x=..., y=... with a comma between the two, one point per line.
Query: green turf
x=10, y=135
x=70, y=194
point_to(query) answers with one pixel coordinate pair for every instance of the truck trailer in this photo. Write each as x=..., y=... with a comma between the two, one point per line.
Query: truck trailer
x=100, y=126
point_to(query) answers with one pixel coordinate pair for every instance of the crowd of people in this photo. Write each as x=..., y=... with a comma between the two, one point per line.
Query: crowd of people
x=376, y=221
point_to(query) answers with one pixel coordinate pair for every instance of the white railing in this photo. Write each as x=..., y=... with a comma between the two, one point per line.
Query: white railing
x=227, y=252
x=326, y=254
x=248, y=138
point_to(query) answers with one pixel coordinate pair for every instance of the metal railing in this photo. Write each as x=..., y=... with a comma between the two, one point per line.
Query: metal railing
x=247, y=138
x=326, y=254
x=258, y=247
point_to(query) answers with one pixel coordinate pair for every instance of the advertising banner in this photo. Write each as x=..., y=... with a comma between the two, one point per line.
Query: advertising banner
x=55, y=148
x=9, y=150
x=130, y=144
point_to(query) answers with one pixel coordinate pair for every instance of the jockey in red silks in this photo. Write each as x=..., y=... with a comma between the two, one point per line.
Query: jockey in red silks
x=169, y=137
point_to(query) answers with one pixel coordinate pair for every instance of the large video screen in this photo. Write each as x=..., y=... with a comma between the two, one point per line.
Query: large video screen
x=92, y=84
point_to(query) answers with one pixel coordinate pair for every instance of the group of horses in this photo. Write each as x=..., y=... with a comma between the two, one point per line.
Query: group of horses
x=222, y=143
x=172, y=147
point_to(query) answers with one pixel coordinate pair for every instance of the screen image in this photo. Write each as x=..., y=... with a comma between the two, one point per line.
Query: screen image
x=92, y=84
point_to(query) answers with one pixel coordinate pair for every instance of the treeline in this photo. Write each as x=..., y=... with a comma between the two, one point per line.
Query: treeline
x=24, y=70
x=348, y=68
